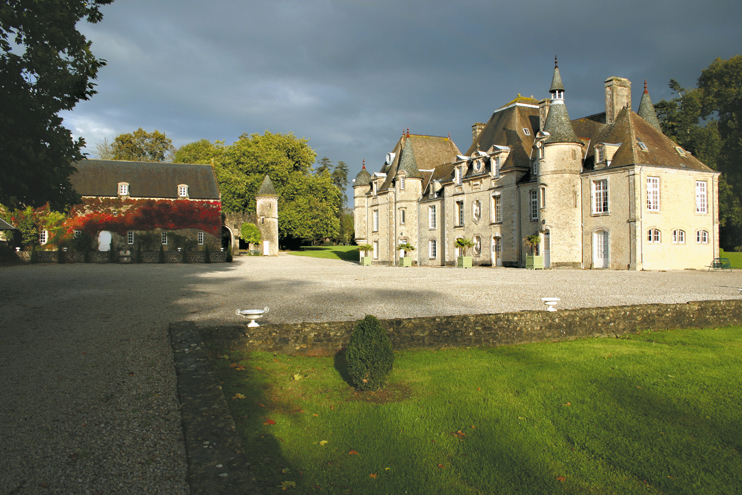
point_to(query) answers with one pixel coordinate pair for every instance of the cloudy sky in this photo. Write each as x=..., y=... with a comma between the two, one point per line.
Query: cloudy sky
x=349, y=75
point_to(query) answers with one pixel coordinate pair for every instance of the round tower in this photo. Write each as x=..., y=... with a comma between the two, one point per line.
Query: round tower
x=267, y=213
x=559, y=185
x=360, y=211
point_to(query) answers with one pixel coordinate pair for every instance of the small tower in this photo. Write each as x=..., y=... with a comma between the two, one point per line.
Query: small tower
x=559, y=184
x=646, y=109
x=267, y=213
x=360, y=188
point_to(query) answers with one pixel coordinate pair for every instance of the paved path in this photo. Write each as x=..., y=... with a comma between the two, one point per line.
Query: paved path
x=88, y=400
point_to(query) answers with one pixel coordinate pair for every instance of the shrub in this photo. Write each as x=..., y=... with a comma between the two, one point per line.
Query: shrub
x=34, y=255
x=184, y=255
x=229, y=253
x=138, y=257
x=369, y=355
x=60, y=255
x=161, y=255
x=207, y=254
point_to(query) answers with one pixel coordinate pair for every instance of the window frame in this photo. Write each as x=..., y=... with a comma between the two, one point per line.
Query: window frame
x=401, y=182
x=432, y=217
x=130, y=237
x=123, y=189
x=497, y=208
x=702, y=237
x=200, y=238
x=653, y=194
x=654, y=236
x=533, y=202
x=432, y=249
x=163, y=238
x=43, y=237
x=375, y=246
x=701, y=197
x=596, y=193
x=459, y=213
x=182, y=190
x=402, y=216
x=678, y=236
x=375, y=220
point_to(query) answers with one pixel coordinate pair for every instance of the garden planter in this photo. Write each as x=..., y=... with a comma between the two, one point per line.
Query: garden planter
x=366, y=260
x=464, y=262
x=405, y=261
x=534, y=262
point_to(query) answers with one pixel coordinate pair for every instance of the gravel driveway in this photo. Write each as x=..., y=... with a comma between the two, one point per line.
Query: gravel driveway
x=88, y=393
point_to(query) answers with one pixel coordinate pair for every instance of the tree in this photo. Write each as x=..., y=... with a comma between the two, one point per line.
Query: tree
x=199, y=152
x=325, y=165
x=706, y=121
x=340, y=179
x=104, y=150
x=46, y=66
x=143, y=146
x=250, y=233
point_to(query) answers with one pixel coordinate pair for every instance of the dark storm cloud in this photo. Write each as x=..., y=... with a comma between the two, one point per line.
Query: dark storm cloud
x=350, y=75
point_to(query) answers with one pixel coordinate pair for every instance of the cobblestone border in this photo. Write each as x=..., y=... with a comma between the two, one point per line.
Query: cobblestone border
x=217, y=464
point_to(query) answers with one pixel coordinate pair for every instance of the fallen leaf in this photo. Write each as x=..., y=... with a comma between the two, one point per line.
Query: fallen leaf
x=285, y=470
x=372, y=475
x=323, y=442
x=353, y=452
x=238, y=396
x=638, y=386
x=261, y=405
x=472, y=427
x=315, y=415
x=240, y=368
x=561, y=478
x=286, y=485
x=259, y=368
x=269, y=422
x=297, y=377
x=73, y=457
x=233, y=365
x=479, y=388
x=459, y=434
x=387, y=469
x=567, y=404
x=520, y=417
x=441, y=465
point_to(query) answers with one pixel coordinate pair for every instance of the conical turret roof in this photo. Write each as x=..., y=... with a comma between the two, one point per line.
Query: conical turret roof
x=558, y=125
x=363, y=178
x=408, y=164
x=646, y=109
x=267, y=189
x=556, y=79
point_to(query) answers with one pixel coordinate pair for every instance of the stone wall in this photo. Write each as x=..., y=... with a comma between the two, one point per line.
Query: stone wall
x=102, y=257
x=483, y=330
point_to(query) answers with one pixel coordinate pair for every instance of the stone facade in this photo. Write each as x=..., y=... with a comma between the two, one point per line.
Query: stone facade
x=604, y=191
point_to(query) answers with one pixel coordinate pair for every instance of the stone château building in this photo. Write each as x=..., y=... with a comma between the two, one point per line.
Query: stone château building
x=605, y=191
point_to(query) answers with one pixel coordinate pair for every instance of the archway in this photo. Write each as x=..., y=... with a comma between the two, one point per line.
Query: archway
x=226, y=238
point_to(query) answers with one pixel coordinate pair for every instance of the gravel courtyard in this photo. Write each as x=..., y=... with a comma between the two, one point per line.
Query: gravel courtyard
x=88, y=393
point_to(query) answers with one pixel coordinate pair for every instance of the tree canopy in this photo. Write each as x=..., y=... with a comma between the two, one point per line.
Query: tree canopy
x=308, y=203
x=142, y=146
x=706, y=121
x=46, y=66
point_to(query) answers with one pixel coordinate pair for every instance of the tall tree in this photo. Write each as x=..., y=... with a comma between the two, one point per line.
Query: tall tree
x=143, y=146
x=706, y=121
x=340, y=179
x=324, y=164
x=46, y=66
x=104, y=150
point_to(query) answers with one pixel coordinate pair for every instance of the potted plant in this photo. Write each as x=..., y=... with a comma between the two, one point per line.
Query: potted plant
x=464, y=245
x=364, y=250
x=405, y=259
x=534, y=261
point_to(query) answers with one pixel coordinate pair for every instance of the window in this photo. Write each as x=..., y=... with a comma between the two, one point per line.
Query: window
x=200, y=237
x=43, y=237
x=600, y=196
x=401, y=183
x=182, y=191
x=653, y=236
x=78, y=234
x=497, y=208
x=476, y=210
x=376, y=250
x=526, y=131
x=702, y=237
x=130, y=237
x=374, y=189
x=376, y=221
x=601, y=154
x=432, y=249
x=459, y=213
x=641, y=144
x=680, y=150
x=653, y=193
x=477, y=246
x=701, y=197
x=534, y=204
x=495, y=162
x=401, y=217
x=457, y=176
x=431, y=217
x=543, y=197
x=535, y=167
x=163, y=236
x=123, y=189
x=678, y=237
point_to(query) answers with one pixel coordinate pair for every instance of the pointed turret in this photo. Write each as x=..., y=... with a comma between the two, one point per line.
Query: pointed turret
x=557, y=88
x=267, y=189
x=363, y=178
x=408, y=164
x=646, y=109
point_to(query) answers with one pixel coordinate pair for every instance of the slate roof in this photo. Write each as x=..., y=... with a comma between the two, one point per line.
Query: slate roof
x=646, y=109
x=267, y=189
x=556, y=79
x=146, y=180
x=415, y=152
x=363, y=178
x=505, y=128
x=558, y=124
x=5, y=225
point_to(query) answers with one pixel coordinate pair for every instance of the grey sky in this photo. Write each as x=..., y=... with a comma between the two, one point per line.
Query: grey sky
x=350, y=75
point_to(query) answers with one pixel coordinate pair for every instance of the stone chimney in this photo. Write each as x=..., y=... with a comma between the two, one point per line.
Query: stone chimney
x=543, y=112
x=476, y=130
x=617, y=97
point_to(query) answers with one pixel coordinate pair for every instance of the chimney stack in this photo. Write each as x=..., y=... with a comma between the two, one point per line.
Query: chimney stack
x=476, y=130
x=617, y=97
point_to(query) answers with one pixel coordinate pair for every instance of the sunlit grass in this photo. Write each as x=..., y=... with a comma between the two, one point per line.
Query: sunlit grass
x=734, y=258
x=345, y=253
x=653, y=413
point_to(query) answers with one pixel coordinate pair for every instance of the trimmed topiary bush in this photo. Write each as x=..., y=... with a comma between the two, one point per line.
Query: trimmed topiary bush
x=369, y=355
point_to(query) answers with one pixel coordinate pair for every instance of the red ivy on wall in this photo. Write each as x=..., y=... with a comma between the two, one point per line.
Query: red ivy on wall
x=122, y=215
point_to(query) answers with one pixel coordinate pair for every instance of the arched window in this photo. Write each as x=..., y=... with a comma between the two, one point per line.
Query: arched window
x=653, y=236
x=702, y=237
x=678, y=236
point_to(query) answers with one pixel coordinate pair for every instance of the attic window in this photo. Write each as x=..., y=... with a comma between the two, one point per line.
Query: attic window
x=526, y=131
x=680, y=150
x=641, y=144
x=182, y=191
x=123, y=188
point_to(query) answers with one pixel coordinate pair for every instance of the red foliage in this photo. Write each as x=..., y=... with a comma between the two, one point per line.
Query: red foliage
x=121, y=216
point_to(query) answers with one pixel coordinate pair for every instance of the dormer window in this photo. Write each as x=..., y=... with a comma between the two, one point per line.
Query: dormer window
x=374, y=188
x=526, y=131
x=457, y=176
x=642, y=145
x=495, y=162
x=182, y=191
x=601, y=154
x=401, y=182
x=123, y=188
x=680, y=150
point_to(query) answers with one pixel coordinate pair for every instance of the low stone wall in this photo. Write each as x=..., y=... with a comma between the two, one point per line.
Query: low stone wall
x=102, y=257
x=483, y=330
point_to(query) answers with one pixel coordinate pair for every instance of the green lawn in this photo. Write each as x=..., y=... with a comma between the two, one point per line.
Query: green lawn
x=345, y=253
x=651, y=413
x=734, y=258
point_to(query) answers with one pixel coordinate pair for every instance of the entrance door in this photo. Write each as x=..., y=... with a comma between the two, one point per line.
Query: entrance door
x=104, y=241
x=266, y=248
x=547, y=249
x=496, y=250
x=600, y=249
